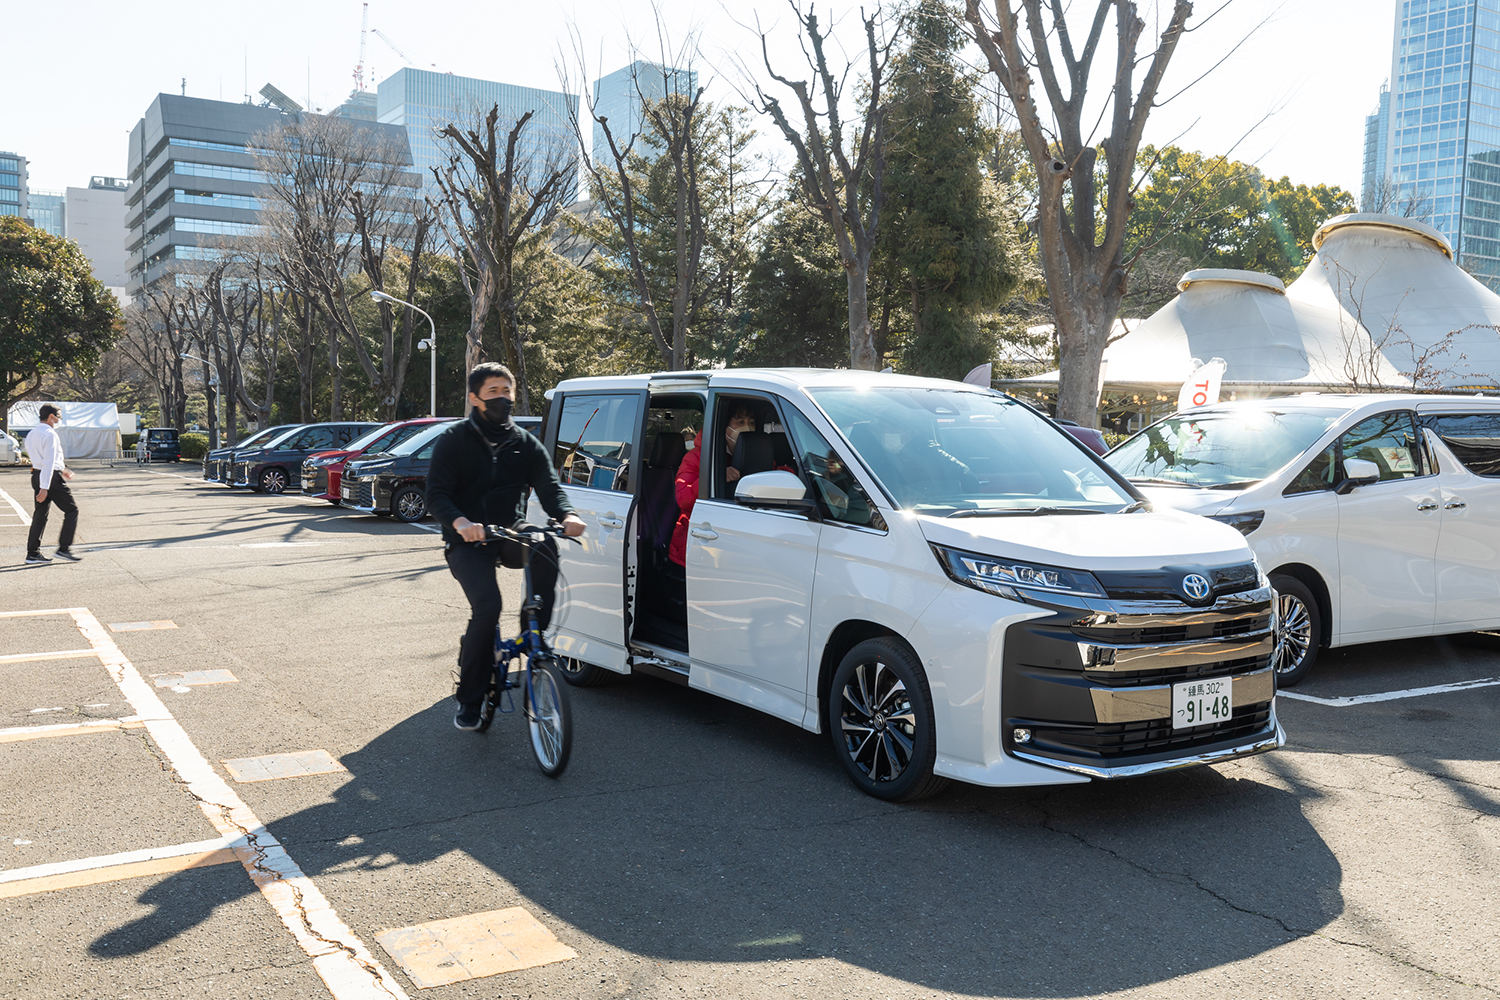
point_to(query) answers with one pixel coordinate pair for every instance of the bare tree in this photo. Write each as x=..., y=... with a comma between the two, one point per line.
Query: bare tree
x=842, y=175
x=1385, y=198
x=154, y=342
x=1082, y=254
x=493, y=198
x=340, y=205
x=671, y=130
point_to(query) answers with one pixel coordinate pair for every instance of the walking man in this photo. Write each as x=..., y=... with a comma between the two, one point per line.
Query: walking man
x=49, y=476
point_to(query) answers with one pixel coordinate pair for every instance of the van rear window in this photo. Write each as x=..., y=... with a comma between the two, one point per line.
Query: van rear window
x=1474, y=439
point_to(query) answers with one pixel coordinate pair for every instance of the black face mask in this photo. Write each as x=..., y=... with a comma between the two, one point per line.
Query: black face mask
x=497, y=411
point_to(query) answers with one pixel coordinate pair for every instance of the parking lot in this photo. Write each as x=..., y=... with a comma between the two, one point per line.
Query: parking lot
x=227, y=768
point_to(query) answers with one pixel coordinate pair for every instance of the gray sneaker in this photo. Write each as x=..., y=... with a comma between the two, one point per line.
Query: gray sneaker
x=467, y=718
x=37, y=558
x=68, y=555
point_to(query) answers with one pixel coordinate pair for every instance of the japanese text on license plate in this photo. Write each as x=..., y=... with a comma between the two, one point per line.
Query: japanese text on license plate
x=1202, y=703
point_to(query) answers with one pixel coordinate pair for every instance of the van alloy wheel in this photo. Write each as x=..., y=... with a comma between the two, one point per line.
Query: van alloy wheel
x=273, y=481
x=1298, y=633
x=881, y=721
x=409, y=504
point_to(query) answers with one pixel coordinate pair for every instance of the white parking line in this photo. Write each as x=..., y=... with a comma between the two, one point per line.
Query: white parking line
x=346, y=965
x=1365, y=699
x=124, y=858
x=25, y=517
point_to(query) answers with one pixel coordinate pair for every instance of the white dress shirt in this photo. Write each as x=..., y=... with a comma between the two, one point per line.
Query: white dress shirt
x=46, y=452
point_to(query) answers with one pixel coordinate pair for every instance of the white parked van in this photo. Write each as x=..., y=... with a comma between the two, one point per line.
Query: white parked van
x=932, y=573
x=1376, y=516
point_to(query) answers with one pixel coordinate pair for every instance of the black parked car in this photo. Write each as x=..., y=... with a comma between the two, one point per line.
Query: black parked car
x=277, y=465
x=158, y=444
x=219, y=463
x=395, y=482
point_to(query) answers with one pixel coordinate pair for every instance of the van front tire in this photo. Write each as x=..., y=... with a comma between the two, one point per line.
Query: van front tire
x=880, y=719
x=1301, y=629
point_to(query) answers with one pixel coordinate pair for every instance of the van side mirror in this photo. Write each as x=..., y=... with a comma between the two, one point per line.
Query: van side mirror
x=1357, y=472
x=776, y=490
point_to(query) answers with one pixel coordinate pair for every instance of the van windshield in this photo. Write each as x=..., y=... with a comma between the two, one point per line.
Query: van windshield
x=948, y=452
x=1223, y=449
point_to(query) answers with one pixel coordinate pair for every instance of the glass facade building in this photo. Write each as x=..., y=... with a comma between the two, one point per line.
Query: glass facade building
x=1377, y=150
x=194, y=183
x=618, y=98
x=13, y=184
x=1443, y=123
x=424, y=102
x=45, y=208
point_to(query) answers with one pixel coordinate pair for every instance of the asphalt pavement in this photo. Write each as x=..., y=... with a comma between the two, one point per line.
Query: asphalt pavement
x=692, y=848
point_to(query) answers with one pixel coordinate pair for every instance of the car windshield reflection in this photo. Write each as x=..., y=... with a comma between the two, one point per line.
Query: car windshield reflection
x=1223, y=449
x=948, y=451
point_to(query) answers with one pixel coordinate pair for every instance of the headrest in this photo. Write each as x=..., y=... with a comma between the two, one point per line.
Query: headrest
x=753, y=452
x=667, y=450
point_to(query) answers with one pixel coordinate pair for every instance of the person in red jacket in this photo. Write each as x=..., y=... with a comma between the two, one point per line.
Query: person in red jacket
x=686, y=484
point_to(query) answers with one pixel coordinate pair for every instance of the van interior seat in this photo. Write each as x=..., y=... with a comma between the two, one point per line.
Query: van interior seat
x=658, y=494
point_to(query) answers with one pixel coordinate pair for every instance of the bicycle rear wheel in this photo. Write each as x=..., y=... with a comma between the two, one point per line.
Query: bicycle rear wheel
x=549, y=718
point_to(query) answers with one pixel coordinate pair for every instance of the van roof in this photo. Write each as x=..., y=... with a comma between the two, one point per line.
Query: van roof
x=785, y=378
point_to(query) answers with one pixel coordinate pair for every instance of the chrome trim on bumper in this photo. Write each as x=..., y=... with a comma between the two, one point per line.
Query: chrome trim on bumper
x=1145, y=703
x=1272, y=742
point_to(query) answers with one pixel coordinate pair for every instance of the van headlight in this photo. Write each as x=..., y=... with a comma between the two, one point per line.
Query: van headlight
x=1243, y=522
x=1008, y=578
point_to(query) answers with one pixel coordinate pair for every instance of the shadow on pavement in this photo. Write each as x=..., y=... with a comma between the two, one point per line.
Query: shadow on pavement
x=691, y=829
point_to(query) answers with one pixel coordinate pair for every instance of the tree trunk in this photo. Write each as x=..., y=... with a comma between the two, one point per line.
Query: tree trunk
x=862, y=354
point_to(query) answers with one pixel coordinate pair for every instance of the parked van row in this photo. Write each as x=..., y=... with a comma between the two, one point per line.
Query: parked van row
x=368, y=467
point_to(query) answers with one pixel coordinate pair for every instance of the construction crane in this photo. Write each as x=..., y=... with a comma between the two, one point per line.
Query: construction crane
x=359, y=68
x=397, y=49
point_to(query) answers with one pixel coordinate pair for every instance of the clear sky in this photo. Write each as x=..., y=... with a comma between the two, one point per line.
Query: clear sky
x=81, y=73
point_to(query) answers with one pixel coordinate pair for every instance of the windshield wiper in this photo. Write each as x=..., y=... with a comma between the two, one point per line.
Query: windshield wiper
x=1241, y=484
x=1163, y=482
x=1137, y=505
x=1008, y=511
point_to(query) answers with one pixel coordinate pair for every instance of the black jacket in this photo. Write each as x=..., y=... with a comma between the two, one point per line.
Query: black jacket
x=467, y=479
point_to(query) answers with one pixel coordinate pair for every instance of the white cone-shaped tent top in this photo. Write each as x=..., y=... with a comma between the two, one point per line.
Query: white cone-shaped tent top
x=1264, y=335
x=1398, y=278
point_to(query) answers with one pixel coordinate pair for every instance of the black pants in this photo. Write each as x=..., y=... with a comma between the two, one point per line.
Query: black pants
x=473, y=566
x=57, y=493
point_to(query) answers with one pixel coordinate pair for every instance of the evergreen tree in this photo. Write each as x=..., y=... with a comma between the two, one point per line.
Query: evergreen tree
x=947, y=250
x=796, y=292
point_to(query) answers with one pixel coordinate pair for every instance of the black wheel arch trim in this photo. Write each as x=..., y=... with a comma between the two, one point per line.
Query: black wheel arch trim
x=1313, y=581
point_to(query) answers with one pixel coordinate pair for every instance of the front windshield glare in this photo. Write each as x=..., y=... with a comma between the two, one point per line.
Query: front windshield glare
x=417, y=440
x=946, y=452
x=1224, y=449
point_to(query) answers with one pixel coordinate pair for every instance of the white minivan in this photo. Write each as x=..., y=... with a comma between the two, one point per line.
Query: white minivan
x=1376, y=516
x=934, y=574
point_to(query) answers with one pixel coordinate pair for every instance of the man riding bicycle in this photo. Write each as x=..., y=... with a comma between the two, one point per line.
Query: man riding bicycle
x=481, y=468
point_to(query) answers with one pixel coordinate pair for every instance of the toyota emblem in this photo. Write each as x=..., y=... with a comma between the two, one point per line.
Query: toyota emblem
x=1196, y=586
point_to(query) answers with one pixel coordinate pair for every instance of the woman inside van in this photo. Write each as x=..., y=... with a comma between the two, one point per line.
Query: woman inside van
x=686, y=485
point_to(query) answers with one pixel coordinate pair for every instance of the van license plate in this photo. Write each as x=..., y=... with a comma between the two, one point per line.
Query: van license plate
x=1202, y=703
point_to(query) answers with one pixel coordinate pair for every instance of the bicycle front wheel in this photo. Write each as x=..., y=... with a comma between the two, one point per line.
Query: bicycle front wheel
x=550, y=718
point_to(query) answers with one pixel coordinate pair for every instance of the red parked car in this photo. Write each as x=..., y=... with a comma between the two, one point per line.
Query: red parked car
x=321, y=471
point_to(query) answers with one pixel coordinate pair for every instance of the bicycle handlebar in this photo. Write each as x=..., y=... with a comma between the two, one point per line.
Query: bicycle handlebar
x=527, y=534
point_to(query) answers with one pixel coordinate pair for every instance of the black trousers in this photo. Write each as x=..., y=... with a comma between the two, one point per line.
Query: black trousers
x=57, y=493
x=474, y=567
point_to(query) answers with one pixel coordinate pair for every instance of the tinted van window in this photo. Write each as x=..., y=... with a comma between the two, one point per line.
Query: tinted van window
x=1474, y=439
x=1387, y=439
x=595, y=434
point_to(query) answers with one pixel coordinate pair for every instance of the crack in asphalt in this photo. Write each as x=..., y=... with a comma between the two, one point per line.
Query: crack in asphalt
x=1182, y=878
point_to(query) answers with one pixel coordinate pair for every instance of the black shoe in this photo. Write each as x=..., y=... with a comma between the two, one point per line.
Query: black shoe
x=467, y=718
x=37, y=557
x=68, y=555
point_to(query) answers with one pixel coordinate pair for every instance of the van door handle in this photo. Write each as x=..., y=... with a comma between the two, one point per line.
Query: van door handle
x=1427, y=505
x=703, y=531
x=610, y=521
x=1455, y=505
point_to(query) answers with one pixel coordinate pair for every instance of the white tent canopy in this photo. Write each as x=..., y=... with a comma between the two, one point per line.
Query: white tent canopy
x=87, y=430
x=1431, y=318
x=1266, y=336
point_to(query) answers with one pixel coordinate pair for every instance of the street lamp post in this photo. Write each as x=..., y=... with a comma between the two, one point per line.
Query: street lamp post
x=429, y=345
x=216, y=386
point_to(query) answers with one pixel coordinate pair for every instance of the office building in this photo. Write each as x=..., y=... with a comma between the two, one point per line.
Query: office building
x=424, y=102
x=360, y=106
x=1443, y=146
x=619, y=95
x=13, y=184
x=95, y=220
x=195, y=183
x=1377, y=146
x=45, y=210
